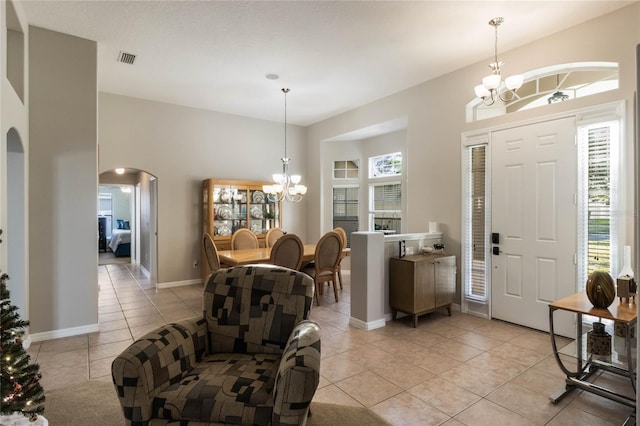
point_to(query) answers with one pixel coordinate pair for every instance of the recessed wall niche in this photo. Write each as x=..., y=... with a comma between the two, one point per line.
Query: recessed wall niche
x=15, y=51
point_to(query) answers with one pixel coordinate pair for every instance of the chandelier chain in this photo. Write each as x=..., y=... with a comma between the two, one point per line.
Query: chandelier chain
x=285, y=186
x=285, y=91
x=495, y=48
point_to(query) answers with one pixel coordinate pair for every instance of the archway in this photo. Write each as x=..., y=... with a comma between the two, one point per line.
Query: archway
x=141, y=218
x=15, y=236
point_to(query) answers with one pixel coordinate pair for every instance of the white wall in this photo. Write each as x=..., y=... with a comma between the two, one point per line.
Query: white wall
x=436, y=119
x=64, y=184
x=182, y=146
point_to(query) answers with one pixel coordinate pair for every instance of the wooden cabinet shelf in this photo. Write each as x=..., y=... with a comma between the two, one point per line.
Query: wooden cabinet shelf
x=420, y=284
x=228, y=205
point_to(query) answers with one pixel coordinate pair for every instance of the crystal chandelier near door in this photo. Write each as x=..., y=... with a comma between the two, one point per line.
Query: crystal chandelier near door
x=285, y=187
x=492, y=87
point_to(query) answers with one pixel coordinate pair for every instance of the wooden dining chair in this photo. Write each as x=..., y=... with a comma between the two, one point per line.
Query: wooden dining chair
x=272, y=236
x=287, y=251
x=211, y=252
x=343, y=237
x=325, y=262
x=243, y=238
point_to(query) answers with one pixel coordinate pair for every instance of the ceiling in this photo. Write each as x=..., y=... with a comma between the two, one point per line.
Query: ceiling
x=333, y=55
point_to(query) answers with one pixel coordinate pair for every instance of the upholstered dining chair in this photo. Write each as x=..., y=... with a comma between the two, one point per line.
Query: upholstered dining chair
x=325, y=262
x=243, y=238
x=253, y=357
x=287, y=252
x=343, y=237
x=272, y=236
x=211, y=252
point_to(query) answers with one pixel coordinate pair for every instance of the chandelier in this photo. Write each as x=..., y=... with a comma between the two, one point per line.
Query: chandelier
x=492, y=85
x=285, y=187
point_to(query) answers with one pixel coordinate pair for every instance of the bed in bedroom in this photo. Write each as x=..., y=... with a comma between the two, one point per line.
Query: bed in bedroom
x=120, y=242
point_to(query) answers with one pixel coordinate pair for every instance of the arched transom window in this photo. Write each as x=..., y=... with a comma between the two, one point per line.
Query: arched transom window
x=544, y=86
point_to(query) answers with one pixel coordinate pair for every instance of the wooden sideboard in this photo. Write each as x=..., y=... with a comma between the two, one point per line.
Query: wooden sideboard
x=419, y=284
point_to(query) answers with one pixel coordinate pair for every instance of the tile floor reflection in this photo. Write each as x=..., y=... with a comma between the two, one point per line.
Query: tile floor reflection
x=458, y=370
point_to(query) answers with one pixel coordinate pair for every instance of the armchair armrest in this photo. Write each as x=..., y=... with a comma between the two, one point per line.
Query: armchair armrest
x=298, y=375
x=154, y=362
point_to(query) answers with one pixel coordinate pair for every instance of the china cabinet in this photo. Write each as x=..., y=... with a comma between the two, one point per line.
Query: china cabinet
x=228, y=205
x=419, y=284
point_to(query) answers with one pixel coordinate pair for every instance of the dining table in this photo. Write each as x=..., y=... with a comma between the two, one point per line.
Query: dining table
x=262, y=255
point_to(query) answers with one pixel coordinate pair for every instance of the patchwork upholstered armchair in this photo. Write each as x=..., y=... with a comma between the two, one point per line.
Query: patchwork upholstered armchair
x=254, y=358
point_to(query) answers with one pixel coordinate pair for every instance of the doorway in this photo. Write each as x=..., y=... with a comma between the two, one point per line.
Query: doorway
x=530, y=193
x=141, y=214
x=115, y=224
x=533, y=217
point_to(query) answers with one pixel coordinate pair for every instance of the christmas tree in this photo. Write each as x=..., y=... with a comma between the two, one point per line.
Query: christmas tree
x=19, y=381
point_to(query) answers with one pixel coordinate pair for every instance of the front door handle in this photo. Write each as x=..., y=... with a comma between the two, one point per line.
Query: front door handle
x=496, y=250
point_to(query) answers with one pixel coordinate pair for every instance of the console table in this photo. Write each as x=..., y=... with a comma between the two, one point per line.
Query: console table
x=625, y=313
x=419, y=284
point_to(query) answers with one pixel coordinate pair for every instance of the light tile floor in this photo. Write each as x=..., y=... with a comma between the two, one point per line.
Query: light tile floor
x=458, y=370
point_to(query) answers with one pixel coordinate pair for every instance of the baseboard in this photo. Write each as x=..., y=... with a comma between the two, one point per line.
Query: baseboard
x=363, y=325
x=65, y=332
x=144, y=271
x=179, y=283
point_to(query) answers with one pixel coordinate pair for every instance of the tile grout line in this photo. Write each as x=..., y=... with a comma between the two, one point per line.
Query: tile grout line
x=144, y=291
x=121, y=310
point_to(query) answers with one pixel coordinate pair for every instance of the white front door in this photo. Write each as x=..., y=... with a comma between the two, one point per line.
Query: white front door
x=533, y=190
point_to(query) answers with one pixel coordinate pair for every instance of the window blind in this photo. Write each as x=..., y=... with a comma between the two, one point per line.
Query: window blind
x=387, y=197
x=476, y=217
x=345, y=209
x=597, y=230
x=599, y=198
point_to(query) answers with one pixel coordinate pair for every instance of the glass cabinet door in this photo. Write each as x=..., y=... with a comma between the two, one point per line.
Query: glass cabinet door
x=230, y=209
x=272, y=213
x=264, y=212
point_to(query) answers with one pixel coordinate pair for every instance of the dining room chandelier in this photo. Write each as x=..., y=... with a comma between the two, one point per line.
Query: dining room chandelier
x=492, y=87
x=285, y=187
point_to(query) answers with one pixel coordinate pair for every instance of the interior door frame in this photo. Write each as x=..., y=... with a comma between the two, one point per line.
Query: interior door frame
x=135, y=253
x=475, y=137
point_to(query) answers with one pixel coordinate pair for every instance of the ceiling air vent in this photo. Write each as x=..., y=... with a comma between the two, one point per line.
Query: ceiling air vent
x=127, y=58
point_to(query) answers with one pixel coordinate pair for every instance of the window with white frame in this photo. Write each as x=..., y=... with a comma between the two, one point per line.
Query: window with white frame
x=549, y=85
x=345, y=209
x=387, y=165
x=598, y=145
x=385, y=207
x=346, y=169
x=476, y=223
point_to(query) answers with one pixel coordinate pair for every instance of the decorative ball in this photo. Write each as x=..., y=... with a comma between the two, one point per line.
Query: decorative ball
x=601, y=290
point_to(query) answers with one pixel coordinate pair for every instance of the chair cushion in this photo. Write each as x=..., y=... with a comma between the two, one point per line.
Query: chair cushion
x=253, y=309
x=228, y=388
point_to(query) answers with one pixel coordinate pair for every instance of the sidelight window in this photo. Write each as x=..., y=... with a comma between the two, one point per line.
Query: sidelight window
x=597, y=227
